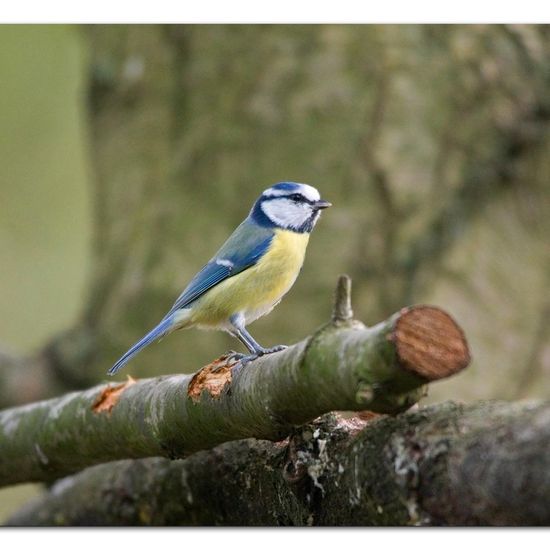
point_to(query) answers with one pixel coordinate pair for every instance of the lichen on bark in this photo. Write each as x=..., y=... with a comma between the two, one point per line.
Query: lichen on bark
x=449, y=464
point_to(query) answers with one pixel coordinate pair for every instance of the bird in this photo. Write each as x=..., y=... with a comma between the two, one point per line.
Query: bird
x=249, y=275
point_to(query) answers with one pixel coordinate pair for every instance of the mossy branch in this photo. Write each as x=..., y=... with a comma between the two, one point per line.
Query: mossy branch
x=448, y=464
x=343, y=366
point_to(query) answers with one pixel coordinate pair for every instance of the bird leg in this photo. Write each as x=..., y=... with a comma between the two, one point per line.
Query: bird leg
x=253, y=347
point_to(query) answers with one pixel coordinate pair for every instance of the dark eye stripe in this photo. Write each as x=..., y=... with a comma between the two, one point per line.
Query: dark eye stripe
x=299, y=198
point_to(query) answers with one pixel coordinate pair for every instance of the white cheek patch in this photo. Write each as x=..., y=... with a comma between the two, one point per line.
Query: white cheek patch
x=286, y=213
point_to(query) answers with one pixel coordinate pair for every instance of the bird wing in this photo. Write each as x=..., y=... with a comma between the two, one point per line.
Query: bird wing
x=248, y=243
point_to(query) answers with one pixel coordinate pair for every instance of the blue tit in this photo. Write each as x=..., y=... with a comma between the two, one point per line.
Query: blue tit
x=249, y=274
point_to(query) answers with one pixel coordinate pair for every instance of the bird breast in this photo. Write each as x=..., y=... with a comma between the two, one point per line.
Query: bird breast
x=255, y=291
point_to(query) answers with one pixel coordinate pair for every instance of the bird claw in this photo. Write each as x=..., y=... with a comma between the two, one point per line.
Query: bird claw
x=229, y=360
x=245, y=359
x=233, y=356
x=274, y=349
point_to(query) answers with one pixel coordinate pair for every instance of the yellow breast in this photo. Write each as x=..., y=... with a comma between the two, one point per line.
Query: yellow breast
x=256, y=290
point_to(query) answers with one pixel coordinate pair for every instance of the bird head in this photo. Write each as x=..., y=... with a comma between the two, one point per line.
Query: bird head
x=289, y=205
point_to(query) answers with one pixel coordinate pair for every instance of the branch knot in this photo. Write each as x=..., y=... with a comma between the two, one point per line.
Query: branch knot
x=342, y=311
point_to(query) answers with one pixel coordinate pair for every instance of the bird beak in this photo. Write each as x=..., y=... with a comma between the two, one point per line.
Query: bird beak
x=320, y=205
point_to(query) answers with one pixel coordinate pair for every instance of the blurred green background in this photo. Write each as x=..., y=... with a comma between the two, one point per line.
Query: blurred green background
x=129, y=153
x=46, y=217
x=45, y=221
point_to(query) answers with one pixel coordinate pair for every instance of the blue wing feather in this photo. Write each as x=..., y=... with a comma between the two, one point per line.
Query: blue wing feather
x=158, y=332
x=248, y=243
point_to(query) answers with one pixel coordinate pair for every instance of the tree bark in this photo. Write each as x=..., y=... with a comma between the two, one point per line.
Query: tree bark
x=343, y=366
x=449, y=464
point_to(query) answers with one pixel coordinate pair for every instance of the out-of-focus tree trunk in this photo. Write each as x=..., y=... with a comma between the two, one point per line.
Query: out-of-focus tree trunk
x=430, y=140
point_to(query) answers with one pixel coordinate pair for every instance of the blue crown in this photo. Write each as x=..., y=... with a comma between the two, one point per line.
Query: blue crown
x=286, y=186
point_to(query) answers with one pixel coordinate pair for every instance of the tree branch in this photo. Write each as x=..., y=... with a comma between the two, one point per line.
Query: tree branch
x=343, y=366
x=449, y=464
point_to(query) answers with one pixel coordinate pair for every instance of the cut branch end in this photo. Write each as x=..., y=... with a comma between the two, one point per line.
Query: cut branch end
x=430, y=343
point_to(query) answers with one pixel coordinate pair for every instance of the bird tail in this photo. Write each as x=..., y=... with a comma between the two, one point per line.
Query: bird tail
x=159, y=331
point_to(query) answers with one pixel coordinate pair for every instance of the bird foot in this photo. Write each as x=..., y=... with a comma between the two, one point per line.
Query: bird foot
x=239, y=360
x=230, y=359
x=245, y=359
x=233, y=356
x=274, y=349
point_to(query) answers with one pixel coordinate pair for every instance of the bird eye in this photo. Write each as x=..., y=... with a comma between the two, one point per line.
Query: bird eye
x=296, y=197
